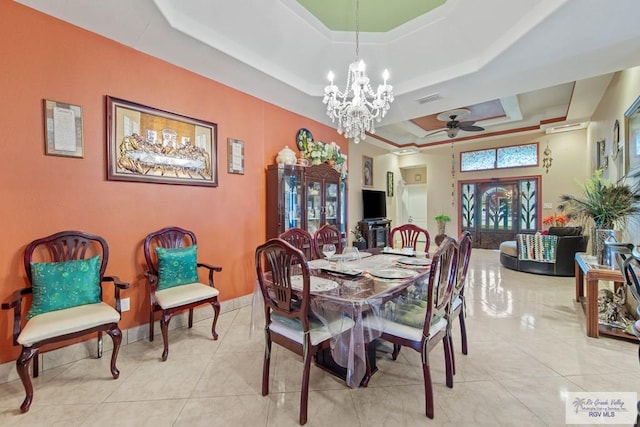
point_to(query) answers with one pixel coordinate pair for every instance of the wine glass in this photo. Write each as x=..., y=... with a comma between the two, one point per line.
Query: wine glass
x=328, y=249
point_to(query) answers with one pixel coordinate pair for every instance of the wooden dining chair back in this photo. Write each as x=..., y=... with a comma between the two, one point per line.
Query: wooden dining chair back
x=410, y=235
x=327, y=234
x=419, y=320
x=301, y=239
x=284, y=279
x=172, y=276
x=65, y=273
x=458, y=304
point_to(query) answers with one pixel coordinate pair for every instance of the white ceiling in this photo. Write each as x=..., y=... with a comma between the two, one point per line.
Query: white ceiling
x=527, y=53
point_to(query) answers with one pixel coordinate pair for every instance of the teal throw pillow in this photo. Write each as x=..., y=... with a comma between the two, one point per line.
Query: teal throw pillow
x=177, y=266
x=60, y=285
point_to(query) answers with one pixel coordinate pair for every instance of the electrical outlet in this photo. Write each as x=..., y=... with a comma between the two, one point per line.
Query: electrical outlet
x=125, y=304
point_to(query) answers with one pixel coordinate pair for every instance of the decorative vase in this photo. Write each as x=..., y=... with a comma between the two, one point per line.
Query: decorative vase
x=286, y=156
x=598, y=248
x=441, y=226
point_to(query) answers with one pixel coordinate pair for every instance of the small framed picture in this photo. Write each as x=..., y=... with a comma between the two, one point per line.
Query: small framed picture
x=389, y=184
x=235, y=156
x=367, y=171
x=63, y=129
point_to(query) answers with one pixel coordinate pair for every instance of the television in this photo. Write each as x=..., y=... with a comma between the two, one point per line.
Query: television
x=374, y=204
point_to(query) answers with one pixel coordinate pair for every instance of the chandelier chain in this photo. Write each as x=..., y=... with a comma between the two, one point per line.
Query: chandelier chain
x=357, y=29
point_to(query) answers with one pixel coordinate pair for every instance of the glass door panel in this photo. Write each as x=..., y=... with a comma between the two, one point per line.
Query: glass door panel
x=314, y=206
x=331, y=207
x=292, y=201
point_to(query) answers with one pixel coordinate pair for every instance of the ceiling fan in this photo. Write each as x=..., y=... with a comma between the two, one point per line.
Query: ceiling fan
x=453, y=125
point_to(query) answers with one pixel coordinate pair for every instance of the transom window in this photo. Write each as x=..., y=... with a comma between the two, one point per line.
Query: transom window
x=514, y=156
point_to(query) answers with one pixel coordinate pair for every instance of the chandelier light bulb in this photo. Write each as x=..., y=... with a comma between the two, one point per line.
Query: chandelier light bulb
x=330, y=76
x=385, y=75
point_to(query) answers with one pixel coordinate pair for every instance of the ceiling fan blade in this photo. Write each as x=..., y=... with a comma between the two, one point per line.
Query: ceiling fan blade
x=467, y=123
x=435, y=132
x=470, y=128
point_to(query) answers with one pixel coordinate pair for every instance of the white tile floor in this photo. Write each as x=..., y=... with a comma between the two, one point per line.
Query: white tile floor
x=527, y=347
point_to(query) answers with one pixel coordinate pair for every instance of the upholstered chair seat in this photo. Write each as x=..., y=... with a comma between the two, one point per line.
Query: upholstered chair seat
x=185, y=294
x=67, y=321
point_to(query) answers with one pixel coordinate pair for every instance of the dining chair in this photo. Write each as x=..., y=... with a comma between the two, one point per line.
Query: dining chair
x=410, y=234
x=327, y=234
x=419, y=320
x=301, y=239
x=458, y=304
x=174, y=285
x=65, y=273
x=288, y=319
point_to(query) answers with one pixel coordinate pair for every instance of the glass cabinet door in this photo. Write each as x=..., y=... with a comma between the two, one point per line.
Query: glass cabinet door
x=315, y=209
x=331, y=206
x=292, y=201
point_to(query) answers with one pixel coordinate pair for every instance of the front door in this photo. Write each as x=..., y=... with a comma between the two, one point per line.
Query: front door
x=496, y=210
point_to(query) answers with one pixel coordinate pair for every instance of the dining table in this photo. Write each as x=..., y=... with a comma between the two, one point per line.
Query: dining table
x=371, y=284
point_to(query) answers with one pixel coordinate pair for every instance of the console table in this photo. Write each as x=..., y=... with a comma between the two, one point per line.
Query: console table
x=587, y=268
x=376, y=232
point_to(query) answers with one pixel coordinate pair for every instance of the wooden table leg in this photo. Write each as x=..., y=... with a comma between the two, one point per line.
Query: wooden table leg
x=579, y=283
x=591, y=312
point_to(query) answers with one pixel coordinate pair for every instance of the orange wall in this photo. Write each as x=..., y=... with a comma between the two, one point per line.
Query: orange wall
x=44, y=58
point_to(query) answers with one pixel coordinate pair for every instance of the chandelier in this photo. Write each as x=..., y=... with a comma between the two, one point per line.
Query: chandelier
x=358, y=106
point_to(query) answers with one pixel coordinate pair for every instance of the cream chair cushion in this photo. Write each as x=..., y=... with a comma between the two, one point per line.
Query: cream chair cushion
x=184, y=294
x=403, y=331
x=292, y=328
x=67, y=321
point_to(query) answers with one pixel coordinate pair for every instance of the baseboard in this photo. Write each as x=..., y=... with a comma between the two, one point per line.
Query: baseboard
x=82, y=350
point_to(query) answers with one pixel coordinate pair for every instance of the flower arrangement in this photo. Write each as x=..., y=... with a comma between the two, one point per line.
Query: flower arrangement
x=555, y=220
x=357, y=234
x=319, y=152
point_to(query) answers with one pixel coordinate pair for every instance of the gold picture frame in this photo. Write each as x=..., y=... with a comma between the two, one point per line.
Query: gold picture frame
x=146, y=144
x=63, y=129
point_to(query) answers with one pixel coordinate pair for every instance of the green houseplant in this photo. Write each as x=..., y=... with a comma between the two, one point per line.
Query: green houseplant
x=358, y=239
x=607, y=205
x=442, y=221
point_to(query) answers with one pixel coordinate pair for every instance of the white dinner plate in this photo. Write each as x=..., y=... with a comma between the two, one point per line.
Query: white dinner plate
x=393, y=273
x=421, y=262
x=318, y=284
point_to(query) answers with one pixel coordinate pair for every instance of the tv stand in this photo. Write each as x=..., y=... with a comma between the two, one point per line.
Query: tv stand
x=375, y=232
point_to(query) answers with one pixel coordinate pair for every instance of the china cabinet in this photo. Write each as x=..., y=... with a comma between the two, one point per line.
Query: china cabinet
x=304, y=196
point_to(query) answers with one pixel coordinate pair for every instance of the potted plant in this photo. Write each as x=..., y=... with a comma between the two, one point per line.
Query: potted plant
x=442, y=221
x=358, y=239
x=607, y=205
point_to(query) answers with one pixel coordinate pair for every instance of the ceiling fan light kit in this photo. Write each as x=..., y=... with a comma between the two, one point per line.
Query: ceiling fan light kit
x=358, y=106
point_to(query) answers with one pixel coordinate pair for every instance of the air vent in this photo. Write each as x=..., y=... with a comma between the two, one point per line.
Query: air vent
x=429, y=98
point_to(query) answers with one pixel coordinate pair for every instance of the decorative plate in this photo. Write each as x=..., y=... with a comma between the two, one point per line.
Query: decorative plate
x=318, y=284
x=303, y=138
x=393, y=273
x=415, y=261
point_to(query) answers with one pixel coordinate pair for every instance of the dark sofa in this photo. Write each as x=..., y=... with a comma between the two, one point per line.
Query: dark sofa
x=570, y=240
